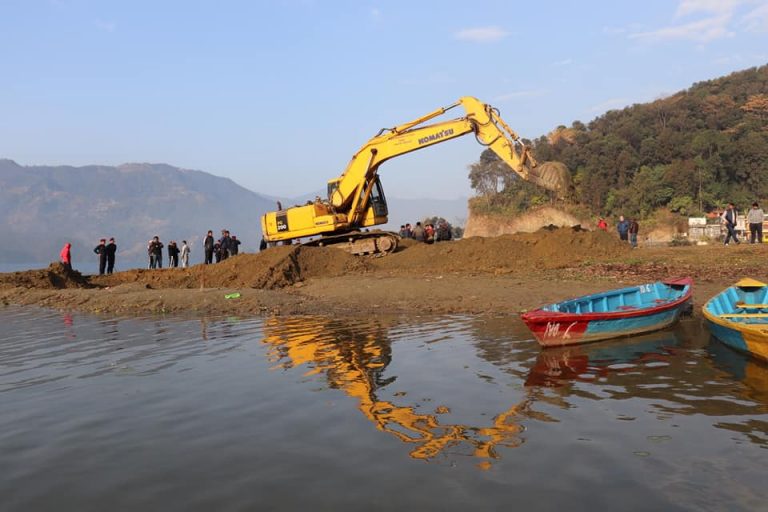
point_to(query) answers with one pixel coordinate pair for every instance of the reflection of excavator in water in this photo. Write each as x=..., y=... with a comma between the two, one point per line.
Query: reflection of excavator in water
x=355, y=362
x=356, y=199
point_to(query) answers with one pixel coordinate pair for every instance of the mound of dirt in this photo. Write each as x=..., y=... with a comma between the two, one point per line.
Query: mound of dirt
x=55, y=276
x=284, y=266
x=527, y=222
x=275, y=268
x=544, y=249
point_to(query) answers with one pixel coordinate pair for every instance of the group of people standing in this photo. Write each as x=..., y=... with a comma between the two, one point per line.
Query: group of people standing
x=155, y=253
x=226, y=246
x=106, y=252
x=427, y=233
x=627, y=229
x=755, y=218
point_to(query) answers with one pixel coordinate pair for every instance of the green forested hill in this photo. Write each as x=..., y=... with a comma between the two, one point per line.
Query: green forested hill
x=688, y=152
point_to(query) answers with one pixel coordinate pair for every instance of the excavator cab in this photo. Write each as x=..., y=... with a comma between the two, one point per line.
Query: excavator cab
x=378, y=202
x=375, y=208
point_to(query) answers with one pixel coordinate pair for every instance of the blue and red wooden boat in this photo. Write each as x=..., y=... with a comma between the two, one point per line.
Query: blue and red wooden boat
x=612, y=314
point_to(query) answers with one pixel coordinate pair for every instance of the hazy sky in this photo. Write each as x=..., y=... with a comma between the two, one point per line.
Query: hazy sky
x=278, y=95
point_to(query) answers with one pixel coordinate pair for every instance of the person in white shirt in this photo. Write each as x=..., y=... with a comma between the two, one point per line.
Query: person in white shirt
x=755, y=219
x=184, y=254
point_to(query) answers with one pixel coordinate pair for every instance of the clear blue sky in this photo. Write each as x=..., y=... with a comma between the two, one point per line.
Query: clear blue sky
x=278, y=95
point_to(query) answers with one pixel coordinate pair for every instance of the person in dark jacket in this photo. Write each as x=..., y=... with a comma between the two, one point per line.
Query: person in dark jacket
x=101, y=250
x=234, y=245
x=634, y=227
x=208, y=244
x=173, y=254
x=623, y=228
x=262, y=244
x=730, y=217
x=111, y=251
x=156, y=253
x=224, y=244
x=217, y=251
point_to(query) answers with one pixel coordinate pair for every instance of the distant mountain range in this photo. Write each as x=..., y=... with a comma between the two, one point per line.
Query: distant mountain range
x=42, y=207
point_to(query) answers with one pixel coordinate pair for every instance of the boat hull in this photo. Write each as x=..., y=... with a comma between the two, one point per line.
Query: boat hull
x=559, y=324
x=554, y=333
x=751, y=343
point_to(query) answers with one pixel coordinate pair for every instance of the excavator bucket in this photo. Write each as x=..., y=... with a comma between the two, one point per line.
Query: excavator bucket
x=552, y=176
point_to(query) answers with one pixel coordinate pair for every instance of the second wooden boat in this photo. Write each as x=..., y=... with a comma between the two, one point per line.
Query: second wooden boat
x=738, y=316
x=612, y=314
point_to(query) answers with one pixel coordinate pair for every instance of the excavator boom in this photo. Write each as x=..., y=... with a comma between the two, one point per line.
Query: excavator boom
x=356, y=200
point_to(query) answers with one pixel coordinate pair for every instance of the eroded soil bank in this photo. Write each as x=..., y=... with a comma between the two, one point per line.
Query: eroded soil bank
x=501, y=275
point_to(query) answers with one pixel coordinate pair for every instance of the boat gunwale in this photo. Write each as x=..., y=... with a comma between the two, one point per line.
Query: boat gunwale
x=539, y=315
x=759, y=328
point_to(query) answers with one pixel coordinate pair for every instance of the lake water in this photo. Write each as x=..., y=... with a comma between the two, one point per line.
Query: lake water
x=312, y=413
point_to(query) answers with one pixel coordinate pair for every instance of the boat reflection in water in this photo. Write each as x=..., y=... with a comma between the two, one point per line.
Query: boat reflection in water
x=750, y=372
x=748, y=379
x=355, y=360
x=557, y=367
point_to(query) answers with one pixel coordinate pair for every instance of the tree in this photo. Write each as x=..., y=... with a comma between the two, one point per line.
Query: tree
x=705, y=145
x=489, y=175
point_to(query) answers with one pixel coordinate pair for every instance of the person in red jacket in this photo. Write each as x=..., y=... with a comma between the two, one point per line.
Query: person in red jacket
x=66, y=256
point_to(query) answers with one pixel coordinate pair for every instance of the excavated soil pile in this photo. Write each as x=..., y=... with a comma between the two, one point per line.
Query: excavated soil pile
x=272, y=269
x=279, y=267
x=55, y=276
x=545, y=249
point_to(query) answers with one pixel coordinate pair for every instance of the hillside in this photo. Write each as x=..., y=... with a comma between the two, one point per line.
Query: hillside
x=689, y=152
x=42, y=207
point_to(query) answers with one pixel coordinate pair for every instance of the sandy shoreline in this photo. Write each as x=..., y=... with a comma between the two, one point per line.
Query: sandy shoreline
x=501, y=276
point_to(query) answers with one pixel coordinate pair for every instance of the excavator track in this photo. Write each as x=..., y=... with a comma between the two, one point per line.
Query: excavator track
x=360, y=243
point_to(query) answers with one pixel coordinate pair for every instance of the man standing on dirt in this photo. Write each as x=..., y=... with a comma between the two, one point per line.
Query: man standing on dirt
x=101, y=250
x=235, y=245
x=208, y=246
x=730, y=216
x=224, y=246
x=156, y=253
x=755, y=218
x=173, y=254
x=623, y=228
x=418, y=233
x=111, y=250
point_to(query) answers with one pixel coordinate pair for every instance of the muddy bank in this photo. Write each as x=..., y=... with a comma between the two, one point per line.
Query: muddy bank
x=501, y=275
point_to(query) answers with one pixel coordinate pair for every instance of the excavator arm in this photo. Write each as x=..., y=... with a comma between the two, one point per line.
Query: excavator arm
x=355, y=199
x=481, y=119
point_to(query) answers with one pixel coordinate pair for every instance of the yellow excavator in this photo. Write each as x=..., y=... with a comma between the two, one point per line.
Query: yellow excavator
x=356, y=199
